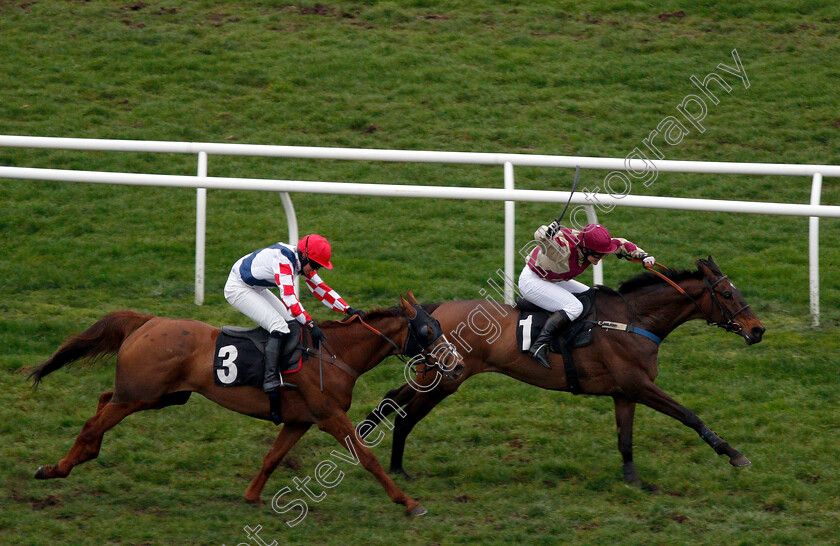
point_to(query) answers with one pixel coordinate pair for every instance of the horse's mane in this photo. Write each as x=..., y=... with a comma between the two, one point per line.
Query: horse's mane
x=643, y=280
x=374, y=314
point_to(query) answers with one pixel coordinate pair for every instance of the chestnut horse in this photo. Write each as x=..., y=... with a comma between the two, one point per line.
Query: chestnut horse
x=161, y=361
x=620, y=364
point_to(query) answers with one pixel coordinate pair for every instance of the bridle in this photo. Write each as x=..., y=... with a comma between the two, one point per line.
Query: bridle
x=414, y=346
x=728, y=323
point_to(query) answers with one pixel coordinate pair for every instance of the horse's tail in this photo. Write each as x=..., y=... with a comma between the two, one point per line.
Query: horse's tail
x=100, y=340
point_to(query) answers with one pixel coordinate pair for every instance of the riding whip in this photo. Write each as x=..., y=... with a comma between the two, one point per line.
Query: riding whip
x=569, y=202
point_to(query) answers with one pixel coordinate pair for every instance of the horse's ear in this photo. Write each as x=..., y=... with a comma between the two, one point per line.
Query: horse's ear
x=706, y=262
x=411, y=299
x=407, y=308
x=710, y=265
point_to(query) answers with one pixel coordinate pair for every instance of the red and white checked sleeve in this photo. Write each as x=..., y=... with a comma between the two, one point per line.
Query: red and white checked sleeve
x=285, y=282
x=327, y=295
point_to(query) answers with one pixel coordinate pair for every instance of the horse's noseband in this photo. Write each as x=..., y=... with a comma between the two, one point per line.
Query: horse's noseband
x=728, y=323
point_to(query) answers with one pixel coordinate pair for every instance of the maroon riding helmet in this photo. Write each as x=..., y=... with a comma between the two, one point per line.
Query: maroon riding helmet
x=596, y=238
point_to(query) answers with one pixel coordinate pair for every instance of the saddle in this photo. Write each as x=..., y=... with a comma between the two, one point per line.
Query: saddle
x=532, y=318
x=240, y=355
x=240, y=359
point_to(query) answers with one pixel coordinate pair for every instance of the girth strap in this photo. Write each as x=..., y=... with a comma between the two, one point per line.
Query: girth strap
x=569, y=367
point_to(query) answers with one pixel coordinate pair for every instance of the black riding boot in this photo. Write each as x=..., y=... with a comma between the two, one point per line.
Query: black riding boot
x=272, y=379
x=539, y=348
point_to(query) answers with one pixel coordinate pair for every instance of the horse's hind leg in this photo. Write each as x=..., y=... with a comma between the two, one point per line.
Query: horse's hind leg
x=286, y=439
x=656, y=398
x=340, y=427
x=104, y=399
x=90, y=438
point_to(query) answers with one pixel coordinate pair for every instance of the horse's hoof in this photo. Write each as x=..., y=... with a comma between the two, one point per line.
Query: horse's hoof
x=41, y=473
x=257, y=501
x=739, y=461
x=650, y=488
x=417, y=511
x=631, y=474
x=402, y=473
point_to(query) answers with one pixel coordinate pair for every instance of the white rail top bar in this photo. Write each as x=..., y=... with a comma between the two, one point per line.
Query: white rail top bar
x=392, y=190
x=308, y=152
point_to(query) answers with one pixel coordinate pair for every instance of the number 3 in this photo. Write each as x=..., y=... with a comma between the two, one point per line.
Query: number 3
x=228, y=354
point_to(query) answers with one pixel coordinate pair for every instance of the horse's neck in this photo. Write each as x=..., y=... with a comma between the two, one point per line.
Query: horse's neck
x=661, y=309
x=362, y=349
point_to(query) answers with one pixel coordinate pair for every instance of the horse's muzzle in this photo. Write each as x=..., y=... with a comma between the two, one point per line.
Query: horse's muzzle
x=754, y=335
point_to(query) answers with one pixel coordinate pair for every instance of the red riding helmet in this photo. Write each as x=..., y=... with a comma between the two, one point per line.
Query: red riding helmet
x=316, y=249
x=596, y=238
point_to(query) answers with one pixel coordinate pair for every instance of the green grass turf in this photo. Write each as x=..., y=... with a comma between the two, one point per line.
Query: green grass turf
x=500, y=461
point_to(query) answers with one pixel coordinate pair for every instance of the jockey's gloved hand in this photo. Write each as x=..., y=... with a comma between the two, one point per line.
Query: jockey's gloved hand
x=351, y=312
x=649, y=260
x=316, y=333
x=553, y=228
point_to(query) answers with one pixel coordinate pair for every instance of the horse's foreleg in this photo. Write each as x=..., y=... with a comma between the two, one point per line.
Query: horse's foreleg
x=401, y=396
x=624, y=413
x=420, y=405
x=89, y=441
x=340, y=427
x=286, y=439
x=659, y=400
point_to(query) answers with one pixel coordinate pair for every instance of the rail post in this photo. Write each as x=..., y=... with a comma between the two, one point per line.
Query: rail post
x=200, y=229
x=814, y=250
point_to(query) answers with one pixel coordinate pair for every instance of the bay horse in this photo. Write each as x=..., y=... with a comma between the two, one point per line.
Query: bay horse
x=619, y=364
x=161, y=361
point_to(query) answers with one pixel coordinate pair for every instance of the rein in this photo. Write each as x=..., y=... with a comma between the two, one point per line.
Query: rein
x=728, y=324
x=399, y=353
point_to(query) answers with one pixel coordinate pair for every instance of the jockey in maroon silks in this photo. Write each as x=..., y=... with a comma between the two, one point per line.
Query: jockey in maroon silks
x=548, y=277
x=248, y=290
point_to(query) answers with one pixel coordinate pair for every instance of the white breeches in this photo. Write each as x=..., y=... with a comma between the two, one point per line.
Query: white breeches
x=257, y=303
x=552, y=296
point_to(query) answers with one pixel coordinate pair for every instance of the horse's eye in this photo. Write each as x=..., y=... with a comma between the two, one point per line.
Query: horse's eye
x=727, y=295
x=424, y=332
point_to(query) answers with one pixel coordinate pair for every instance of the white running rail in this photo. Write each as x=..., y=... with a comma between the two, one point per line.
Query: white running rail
x=508, y=194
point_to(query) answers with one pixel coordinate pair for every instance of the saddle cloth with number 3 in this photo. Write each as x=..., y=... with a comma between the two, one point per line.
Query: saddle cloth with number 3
x=240, y=357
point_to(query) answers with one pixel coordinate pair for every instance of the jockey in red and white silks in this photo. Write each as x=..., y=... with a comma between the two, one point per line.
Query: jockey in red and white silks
x=248, y=289
x=562, y=254
x=251, y=278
